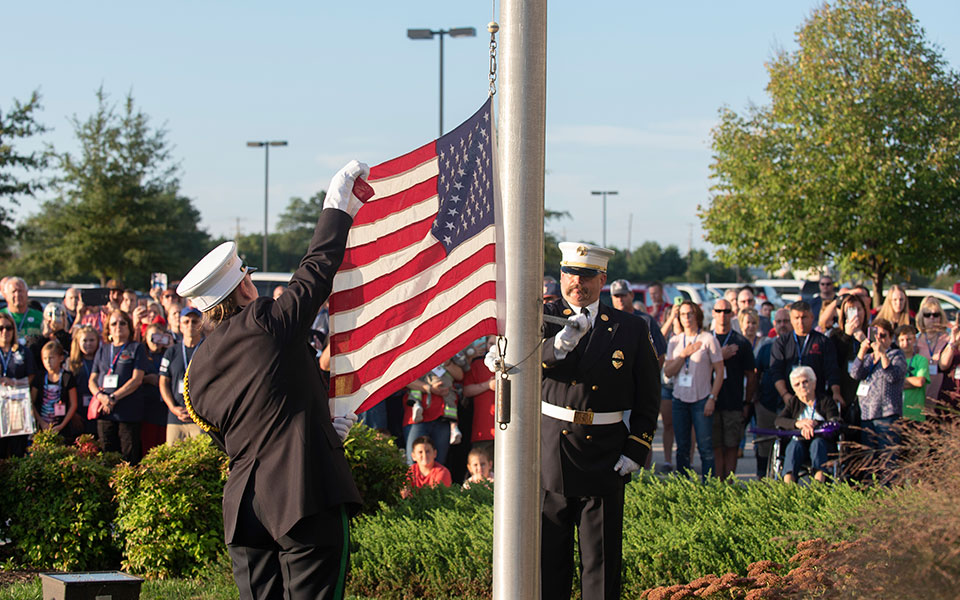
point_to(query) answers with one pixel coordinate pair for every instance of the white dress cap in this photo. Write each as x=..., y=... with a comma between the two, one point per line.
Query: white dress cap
x=214, y=277
x=576, y=256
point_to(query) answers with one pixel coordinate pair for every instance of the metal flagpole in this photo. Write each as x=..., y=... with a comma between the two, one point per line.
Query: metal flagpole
x=521, y=138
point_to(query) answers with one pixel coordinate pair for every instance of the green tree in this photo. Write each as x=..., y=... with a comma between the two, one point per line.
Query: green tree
x=856, y=161
x=18, y=124
x=118, y=211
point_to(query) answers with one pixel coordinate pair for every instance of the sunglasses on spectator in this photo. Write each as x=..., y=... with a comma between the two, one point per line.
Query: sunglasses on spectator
x=118, y=323
x=6, y=327
x=931, y=315
x=725, y=311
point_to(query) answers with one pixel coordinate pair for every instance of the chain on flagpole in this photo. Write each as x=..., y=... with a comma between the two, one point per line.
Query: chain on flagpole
x=493, y=28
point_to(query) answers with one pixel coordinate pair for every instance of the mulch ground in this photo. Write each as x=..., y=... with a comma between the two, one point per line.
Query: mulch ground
x=10, y=577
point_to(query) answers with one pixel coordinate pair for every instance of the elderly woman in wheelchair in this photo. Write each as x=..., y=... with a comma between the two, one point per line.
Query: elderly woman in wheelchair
x=806, y=412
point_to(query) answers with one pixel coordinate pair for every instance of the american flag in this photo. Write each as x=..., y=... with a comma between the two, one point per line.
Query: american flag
x=418, y=281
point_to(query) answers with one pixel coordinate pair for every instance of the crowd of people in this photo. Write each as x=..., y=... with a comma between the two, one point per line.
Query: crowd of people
x=116, y=371
x=831, y=360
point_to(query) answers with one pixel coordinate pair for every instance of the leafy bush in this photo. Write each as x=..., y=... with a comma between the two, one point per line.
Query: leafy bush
x=439, y=543
x=56, y=505
x=169, y=512
x=379, y=469
x=436, y=544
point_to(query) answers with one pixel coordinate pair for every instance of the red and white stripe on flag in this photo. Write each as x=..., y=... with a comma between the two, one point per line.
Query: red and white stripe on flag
x=418, y=281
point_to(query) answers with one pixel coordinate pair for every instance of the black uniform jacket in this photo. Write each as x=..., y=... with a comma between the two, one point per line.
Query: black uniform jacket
x=257, y=380
x=613, y=368
x=825, y=405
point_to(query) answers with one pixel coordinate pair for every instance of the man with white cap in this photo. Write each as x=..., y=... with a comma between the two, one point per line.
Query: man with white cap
x=254, y=386
x=598, y=366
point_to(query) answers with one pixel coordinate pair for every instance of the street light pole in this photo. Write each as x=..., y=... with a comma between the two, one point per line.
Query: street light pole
x=427, y=34
x=266, y=186
x=605, y=194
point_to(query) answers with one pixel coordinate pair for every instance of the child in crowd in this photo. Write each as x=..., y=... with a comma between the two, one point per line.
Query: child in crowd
x=55, y=394
x=425, y=471
x=918, y=374
x=441, y=377
x=478, y=463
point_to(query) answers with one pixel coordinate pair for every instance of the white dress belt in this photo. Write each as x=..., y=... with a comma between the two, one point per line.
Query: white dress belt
x=580, y=417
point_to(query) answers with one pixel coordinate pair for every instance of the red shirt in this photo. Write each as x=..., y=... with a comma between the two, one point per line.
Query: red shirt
x=432, y=408
x=483, y=405
x=660, y=313
x=438, y=474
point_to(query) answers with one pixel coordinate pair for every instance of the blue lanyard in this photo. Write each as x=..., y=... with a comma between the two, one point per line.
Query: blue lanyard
x=186, y=362
x=686, y=361
x=113, y=360
x=46, y=379
x=6, y=357
x=800, y=349
x=724, y=342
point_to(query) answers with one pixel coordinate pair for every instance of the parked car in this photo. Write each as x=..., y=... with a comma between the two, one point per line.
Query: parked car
x=790, y=290
x=949, y=301
x=700, y=294
x=640, y=293
x=265, y=282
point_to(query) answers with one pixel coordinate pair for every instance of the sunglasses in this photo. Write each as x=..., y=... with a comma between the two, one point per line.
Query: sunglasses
x=725, y=311
x=6, y=327
x=931, y=315
x=118, y=323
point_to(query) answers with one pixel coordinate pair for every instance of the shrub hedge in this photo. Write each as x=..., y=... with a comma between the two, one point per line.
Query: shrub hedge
x=169, y=514
x=378, y=466
x=55, y=506
x=439, y=544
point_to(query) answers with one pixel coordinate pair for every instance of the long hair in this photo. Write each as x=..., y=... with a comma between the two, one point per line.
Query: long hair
x=886, y=311
x=9, y=319
x=76, y=350
x=215, y=315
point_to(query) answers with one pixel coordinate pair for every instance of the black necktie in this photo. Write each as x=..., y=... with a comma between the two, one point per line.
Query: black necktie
x=585, y=312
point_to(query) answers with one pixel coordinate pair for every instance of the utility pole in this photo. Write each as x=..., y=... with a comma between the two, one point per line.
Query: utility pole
x=522, y=149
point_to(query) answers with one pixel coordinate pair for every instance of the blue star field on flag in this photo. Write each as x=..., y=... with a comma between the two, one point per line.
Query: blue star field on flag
x=465, y=183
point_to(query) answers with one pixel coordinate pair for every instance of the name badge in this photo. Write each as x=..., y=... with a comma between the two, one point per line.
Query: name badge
x=23, y=341
x=685, y=380
x=956, y=373
x=863, y=388
x=111, y=381
x=439, y=371
x=59, y=409
x=934, y=367
x=180, y=387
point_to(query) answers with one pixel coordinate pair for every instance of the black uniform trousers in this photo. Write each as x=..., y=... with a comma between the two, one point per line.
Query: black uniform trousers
x=309, y=561
x=599, y=521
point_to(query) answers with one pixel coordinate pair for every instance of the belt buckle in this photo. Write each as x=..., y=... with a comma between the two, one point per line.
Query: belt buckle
x=581, y=417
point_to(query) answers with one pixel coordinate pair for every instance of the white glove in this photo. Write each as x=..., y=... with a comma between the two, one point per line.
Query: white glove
x=625, y=465
x=570, y=335
x=343, y=424
x=490, y=360
x=340, y=192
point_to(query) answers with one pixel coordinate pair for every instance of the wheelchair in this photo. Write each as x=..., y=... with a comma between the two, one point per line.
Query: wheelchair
x=833, y=431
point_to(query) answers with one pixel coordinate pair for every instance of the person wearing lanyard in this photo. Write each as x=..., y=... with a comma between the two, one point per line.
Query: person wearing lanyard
x=931, y=342
x=118, y=371
x=805, y=346
x=739, y=376
x=255, y=387
x=29, y=320
x=55, y=400
x=173, y=367
x=83, y=350
x=18, y=370
x=693, y=357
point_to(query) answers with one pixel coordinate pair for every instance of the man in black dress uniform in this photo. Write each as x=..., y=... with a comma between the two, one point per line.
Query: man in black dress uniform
x=255, y=387
x=595, y=368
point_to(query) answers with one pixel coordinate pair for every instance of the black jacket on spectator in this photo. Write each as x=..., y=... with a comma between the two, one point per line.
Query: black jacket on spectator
x=825, y=405
x=819, y=354
x=256, y=379
x=734, y=369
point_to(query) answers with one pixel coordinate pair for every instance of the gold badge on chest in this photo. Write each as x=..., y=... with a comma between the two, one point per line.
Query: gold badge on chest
x=567, y=312
x=617, y=359
x=604, y=318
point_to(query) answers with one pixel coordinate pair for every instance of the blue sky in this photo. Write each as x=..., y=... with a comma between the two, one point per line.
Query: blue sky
x=633, y=89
